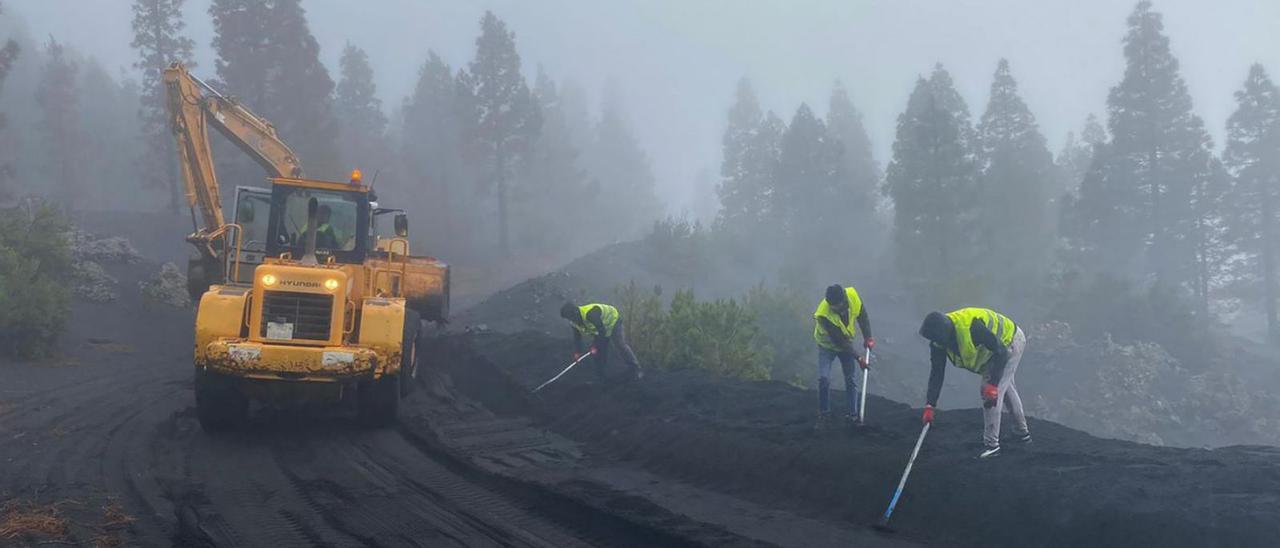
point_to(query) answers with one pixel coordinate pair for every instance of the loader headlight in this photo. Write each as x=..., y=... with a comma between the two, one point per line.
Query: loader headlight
x=269, y=280
x=331, y=284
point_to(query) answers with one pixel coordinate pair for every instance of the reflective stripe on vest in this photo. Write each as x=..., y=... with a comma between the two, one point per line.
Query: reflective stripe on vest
x=608, y=316
x=973, y=357
x=847, y=325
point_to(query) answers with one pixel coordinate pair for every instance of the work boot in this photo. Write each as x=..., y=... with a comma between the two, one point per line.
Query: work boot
x=1025, y=439
x=989, y=452
x=851, y=420
x=823, y=422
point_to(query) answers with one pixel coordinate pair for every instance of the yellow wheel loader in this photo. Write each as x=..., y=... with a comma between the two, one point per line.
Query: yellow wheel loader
x=299, y=298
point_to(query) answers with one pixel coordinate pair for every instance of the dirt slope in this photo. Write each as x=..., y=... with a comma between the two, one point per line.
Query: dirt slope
x=754, y=440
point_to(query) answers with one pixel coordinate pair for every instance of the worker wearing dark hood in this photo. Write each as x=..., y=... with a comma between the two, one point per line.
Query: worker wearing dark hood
x=989, y=344
x=834, y=331
x=603, y=324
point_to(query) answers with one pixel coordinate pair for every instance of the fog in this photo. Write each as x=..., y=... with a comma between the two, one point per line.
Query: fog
x=675, y=62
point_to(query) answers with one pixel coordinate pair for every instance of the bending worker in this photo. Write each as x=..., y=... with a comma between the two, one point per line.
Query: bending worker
x=603, y=324
x=989, y=344
x=834, y=332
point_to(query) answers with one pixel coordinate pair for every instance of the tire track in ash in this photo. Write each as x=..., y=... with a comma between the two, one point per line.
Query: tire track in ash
x=377, y=487
x=229, y=489
x=64, y=437
x=87, y=442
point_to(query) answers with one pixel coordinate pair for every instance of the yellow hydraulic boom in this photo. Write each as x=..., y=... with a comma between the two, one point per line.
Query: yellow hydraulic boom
x=194, y=106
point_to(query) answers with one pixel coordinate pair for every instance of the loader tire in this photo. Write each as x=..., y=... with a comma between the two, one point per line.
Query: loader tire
x=219, y=404
x=379, y=401
x=409, y=352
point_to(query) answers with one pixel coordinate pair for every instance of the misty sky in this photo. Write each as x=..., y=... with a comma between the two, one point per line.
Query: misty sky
x=676, y=61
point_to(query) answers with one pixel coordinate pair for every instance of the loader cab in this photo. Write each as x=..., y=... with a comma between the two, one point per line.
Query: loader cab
x=342, y=222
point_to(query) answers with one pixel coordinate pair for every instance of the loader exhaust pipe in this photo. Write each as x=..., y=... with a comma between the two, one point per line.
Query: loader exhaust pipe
x=309, y=251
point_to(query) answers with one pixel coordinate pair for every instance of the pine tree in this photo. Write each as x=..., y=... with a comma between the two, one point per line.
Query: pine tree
x=1076, y=156
x=507, y=117
x=1016, y=176
x=1252, y=155
x=740, y=202
x=577, y=118
x=157, y=35
x=359, y=113
x=622, y=174
x=58, y=98
x=268, y=58
x=552, y=181
x=1153, y=192
x=240, y=40
x=242, y=66
x=300, y=92
x=111, y=141
x=857, y=162
x=8, y=54
x=430, y=150
x=810, y=196
x=810, y=201
x=933, y=182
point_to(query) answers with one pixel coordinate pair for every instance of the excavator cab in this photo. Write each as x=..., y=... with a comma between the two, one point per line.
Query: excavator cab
x=252, y=213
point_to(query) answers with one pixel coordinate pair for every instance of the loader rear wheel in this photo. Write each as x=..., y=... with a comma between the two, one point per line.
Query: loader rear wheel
x=219, y=404
x=379, y=401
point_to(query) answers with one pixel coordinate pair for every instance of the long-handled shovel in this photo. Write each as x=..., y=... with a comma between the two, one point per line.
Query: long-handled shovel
x=884, y=520
x=862, y=403
x=561, y=374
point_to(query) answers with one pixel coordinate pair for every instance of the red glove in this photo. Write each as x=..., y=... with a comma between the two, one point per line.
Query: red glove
x=928, y=414
x=862, y=361
x=577, y=356
x=869, y=343
x=594, y=351
x=990, y=392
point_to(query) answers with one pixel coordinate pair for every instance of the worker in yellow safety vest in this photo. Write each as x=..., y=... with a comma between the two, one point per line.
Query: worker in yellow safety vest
x=835, y=324
x=603, y=325
x=985, y=342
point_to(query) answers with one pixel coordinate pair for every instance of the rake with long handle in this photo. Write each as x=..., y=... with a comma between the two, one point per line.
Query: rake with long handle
x=862, y=399
x=884, y=520
x=561, y=374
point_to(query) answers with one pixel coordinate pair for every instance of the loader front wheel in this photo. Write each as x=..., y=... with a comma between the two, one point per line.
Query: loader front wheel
x=219, y=404
x=409, y=352
x=379, y=401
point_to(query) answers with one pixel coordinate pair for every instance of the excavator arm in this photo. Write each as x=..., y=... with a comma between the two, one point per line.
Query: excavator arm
x=193, y=107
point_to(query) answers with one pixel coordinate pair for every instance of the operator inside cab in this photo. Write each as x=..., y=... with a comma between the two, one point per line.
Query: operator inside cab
x=338, y=219
x=326, y=235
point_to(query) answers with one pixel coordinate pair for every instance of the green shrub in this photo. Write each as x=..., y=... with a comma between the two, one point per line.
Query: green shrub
x=720, y=336
x=35, y=262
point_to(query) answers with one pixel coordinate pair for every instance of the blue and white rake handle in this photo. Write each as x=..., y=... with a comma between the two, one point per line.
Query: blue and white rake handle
x=884, y=521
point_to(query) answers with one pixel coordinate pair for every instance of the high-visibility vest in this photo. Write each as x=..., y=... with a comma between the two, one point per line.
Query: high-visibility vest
x=847, y=325
x=608, y=316
x=325, y=228
x=973, y=357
